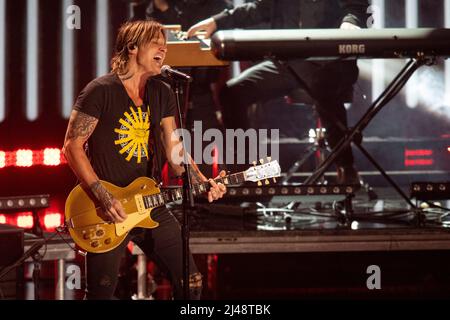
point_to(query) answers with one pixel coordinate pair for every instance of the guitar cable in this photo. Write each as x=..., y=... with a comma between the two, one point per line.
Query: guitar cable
x=63, y=229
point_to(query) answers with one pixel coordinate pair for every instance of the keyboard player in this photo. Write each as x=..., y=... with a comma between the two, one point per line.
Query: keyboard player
x=328, y=83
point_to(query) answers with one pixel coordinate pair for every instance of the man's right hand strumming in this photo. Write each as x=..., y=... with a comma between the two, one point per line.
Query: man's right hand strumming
x=110, y=205
x=208, y=25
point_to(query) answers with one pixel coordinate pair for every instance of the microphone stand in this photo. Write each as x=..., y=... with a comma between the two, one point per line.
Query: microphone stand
x=188, y=197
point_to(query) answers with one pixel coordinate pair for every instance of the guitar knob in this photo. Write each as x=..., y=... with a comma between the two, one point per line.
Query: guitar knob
x=108, y=241
x=85, y=236
x=94, y=244
x=99, y=233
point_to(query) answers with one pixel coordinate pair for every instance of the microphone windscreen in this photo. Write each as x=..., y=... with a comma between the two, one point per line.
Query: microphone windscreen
x=165, y=70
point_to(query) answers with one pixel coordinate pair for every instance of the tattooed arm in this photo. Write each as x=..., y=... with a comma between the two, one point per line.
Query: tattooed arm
x=174, y=153
x=79, y=130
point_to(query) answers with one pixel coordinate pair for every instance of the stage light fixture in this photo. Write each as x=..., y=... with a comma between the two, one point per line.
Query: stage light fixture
x=418, y=152
x=430, y=190
x=32, y=59
x=24, y=158
x=25, y=220
x=2, y=159
x=28, y=158
x=52, y=220
x=24, y=202
x=52, y=157
x=102, y=37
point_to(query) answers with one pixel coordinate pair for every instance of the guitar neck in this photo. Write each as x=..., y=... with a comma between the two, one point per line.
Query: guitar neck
x=200, y=188
x=172, y=195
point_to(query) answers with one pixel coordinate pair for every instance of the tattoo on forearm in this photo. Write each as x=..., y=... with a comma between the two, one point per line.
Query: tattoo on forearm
x=195, y=176
x=103, y=195
x=82, y=125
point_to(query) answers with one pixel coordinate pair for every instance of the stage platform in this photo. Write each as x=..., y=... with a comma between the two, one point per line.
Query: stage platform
x=235, y=242
x=320, y=241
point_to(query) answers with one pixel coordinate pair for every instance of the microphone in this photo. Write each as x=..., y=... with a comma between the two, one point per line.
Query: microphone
x=168, y=72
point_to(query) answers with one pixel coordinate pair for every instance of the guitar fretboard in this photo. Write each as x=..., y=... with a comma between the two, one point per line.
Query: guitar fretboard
x=172, y=195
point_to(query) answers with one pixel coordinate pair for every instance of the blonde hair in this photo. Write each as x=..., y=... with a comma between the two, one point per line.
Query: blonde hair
x=133, y=34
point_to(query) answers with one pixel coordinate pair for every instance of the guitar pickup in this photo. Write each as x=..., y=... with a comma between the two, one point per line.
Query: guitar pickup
x=140, y=203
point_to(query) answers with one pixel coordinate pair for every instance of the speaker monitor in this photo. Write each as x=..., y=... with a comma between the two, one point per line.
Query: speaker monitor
x=11, y=249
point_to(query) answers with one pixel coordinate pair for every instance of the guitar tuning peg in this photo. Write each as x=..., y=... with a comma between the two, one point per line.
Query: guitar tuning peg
x=266, y=182
x=254, y=163
x=261, y=161
x=274, y=180
x=269, y=159
x=259, y=183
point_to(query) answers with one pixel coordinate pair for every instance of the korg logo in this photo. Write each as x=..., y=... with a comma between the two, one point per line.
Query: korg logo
x=352, y=49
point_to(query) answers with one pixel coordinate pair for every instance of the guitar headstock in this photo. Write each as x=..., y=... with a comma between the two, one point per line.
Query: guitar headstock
x=264, y=171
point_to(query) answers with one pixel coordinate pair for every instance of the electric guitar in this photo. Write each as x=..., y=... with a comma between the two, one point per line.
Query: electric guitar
x=93, y=232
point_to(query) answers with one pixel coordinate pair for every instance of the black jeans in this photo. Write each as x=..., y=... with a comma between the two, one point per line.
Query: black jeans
x=329, y=83
x=163, y=245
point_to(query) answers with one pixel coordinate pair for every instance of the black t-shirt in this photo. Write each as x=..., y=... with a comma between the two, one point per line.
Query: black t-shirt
x=123, y=145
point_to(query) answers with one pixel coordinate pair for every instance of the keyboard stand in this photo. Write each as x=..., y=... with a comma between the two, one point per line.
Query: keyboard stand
x=355, y=134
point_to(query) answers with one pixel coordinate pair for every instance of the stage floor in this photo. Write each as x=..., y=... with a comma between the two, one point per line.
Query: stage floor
x=387, y=223
x=313, y=247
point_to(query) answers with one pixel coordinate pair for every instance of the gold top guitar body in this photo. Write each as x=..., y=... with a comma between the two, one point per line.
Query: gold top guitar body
x=88, y=224
x=93, y=232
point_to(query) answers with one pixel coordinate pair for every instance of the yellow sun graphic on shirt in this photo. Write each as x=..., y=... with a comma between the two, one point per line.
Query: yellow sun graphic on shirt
x=133, y=134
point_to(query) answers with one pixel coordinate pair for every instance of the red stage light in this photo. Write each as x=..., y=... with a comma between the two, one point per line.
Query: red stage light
x=52, y=156
x=28, y=158
x=418, y=152
x=24, y=158
x=448, y=149
x=10, y=158
x=130, y=246
x=215, y=165
x=418, y=157
x=418, y=162
x=2, y=159
x=52, y=220
x=2, y=219
x=25, y=220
